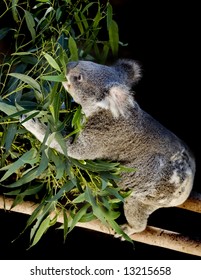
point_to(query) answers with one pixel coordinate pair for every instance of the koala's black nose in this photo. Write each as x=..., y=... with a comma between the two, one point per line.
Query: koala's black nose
x=71, y=65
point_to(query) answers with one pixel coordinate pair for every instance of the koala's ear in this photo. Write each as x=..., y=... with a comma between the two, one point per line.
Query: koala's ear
x=118, y=101
x=128, y=70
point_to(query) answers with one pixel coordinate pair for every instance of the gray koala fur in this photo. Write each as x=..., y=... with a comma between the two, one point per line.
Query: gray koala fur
x=118, y=129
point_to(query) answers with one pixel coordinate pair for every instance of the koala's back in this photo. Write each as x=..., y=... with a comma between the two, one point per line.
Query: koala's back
x=164, y=164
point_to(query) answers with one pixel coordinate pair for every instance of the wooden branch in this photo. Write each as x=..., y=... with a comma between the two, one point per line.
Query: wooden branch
x=152, y=236
x=193, y=203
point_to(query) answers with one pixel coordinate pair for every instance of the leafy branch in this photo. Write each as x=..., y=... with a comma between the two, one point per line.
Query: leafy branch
x=45, y=36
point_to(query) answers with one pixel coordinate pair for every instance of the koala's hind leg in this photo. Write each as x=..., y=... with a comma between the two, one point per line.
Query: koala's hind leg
x=137, y=213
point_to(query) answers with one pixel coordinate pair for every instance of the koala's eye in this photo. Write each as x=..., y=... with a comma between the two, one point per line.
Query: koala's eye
x=78, y=78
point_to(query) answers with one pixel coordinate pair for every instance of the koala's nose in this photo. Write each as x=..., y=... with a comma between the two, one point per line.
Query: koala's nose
x=71, y=65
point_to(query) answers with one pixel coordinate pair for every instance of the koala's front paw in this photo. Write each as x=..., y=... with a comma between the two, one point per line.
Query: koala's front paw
x=22, y=118
x=30, y=124
x=34, y=126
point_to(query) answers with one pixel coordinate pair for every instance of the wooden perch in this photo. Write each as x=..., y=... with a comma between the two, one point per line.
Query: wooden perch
x=152, y=236
x=193, y=203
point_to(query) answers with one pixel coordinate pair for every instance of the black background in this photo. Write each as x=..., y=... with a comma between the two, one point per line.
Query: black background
x=164, y=38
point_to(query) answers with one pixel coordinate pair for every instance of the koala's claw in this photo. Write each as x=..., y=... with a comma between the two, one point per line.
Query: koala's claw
x=22, y=118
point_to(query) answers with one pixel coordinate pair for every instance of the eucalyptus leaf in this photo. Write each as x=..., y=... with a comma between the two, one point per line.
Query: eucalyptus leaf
x=32, y=174
x=40, y=214
x=115, y=193
x=87, y=217
x=97, y=210
x=30, y=24
x=79, y=23
x=10, y=135
x=73, y=49
x=78, y=216
x=118, y=230
x=79, y=199
x=42, y=229
x=114, y=37
x=35, y=214
x=59, y=163
x=15, y=11
x=77, y=118
x=59, y=78
x=97, y=19
x=28, y=157
x=109, y=15
x=22, y=53
x=31, y=190
x=27, y=79
x=52, y=62
x=65, y=224
x=7, y=108
x=96, y=166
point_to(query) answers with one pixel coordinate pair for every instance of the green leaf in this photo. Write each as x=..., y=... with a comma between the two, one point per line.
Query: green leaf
x=10, y=135
x=87, y=217
x=40, y=23
x=30, y=24
x=14, y=10
x=7, y=108
x=86, y=25
x=42, y=211
x=86, y=8
x=97, y=19
x=42, y=229
x=30, y=175
x=65, y=224
x=79, y=23
x=78, y=216
x=96, y=166
x=114, y=37
x=127, y=169
x=80, y=198
x=22, y=53
x=104, y=184
x=55, y=105
x=109, y=15
x=30, y=115
x=73, y=49
x=77, y=117
x=28, y=157
x=59, y=78
x=105, y=52
x=115, y=193
x=118, y=230
x=29, y=191
x=27, y=79
x=52, y=62
x=34, y=215
x=97, y=210
x=59, y=163
x=43, y=163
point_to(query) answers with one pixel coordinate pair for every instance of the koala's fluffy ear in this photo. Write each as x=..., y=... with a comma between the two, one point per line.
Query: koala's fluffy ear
x=118, y=101
x=128, y=70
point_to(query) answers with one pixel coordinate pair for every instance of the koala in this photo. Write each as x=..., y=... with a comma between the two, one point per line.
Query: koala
x=117, y=129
